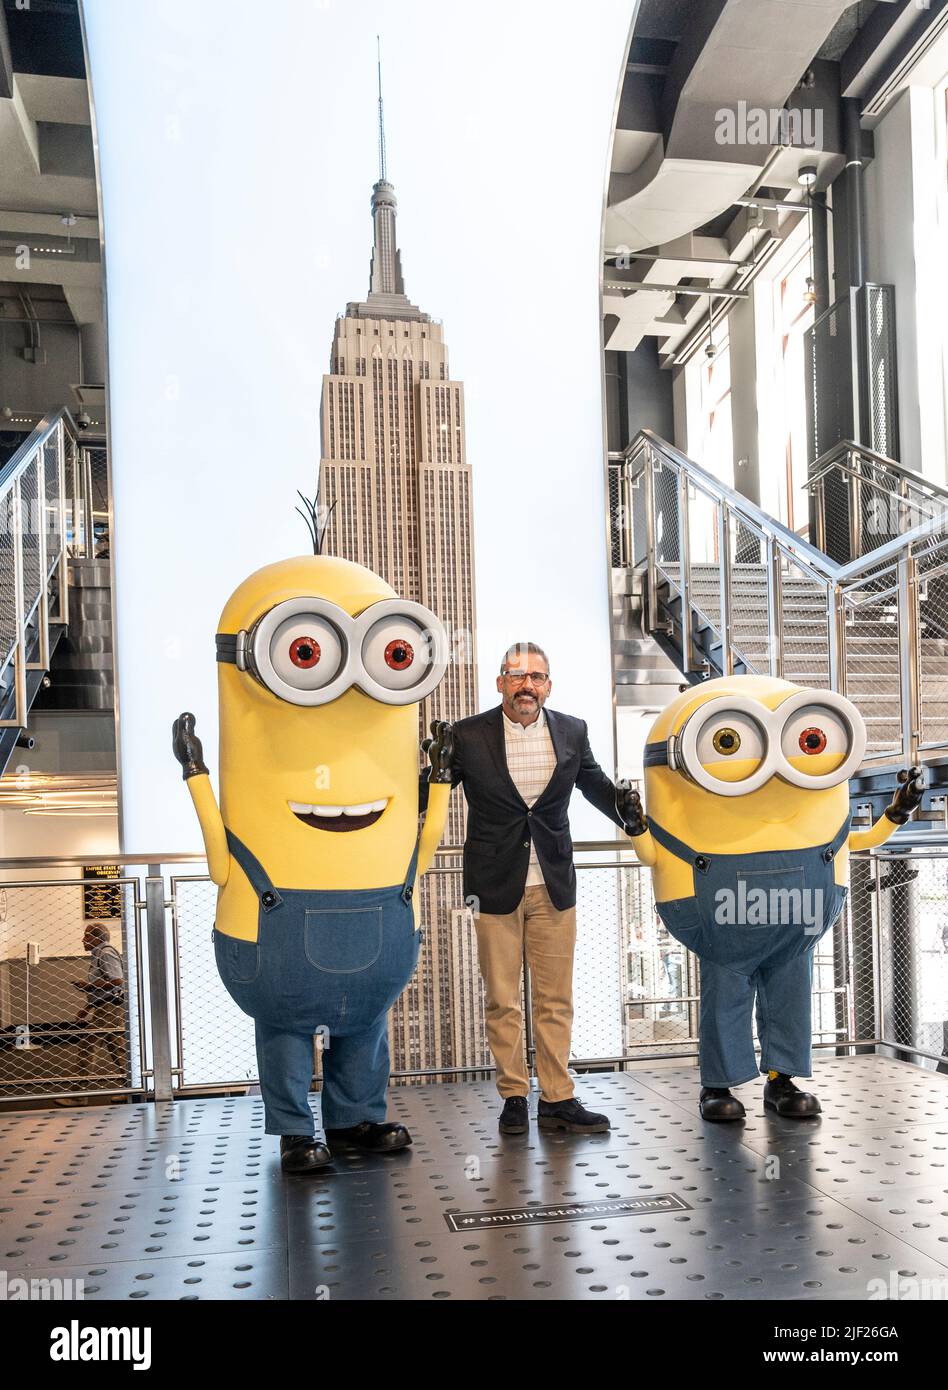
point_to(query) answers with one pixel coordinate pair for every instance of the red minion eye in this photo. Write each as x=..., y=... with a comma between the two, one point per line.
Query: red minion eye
x=812, y=740
x=304, y=652
x=399, y=654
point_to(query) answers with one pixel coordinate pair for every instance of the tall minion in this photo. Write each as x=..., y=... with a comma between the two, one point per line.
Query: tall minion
x=748, y=838
x=315, y=848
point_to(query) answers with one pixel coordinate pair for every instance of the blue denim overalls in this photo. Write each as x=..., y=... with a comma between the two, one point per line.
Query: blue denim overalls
x=772, y=959
x=333, y=960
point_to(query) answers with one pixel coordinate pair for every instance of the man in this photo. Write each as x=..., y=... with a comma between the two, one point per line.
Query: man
x=518, y=764
x=105, y=991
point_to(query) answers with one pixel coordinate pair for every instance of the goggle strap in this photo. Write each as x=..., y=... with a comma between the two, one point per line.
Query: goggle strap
x=226, y=643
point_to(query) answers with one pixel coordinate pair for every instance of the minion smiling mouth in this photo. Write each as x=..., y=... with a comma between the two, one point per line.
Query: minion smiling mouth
x=339, y=817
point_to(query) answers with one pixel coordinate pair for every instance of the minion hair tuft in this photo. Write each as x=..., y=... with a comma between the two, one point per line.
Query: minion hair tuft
x=316, y=525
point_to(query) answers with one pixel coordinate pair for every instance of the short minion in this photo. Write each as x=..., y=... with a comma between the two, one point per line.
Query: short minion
x=748, y=836
x=315, y=848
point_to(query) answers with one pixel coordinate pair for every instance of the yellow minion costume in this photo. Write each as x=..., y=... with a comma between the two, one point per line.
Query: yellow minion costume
x=315, y=848
x=748, y=837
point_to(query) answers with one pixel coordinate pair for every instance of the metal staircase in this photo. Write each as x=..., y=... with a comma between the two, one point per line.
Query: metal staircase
x=45, y=519
x=726, y=588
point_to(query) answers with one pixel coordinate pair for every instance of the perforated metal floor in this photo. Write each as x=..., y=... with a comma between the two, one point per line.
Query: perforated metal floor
x=187, y=1200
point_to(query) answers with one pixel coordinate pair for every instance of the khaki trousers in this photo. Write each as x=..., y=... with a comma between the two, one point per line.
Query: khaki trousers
x=548, y=937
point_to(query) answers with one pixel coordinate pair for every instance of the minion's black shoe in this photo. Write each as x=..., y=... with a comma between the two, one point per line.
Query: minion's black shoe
x=781, y=1095
x=301, y=1153
x=515, y=1116
x=716, y=1103
x=569, y=1114
x=376, y=1138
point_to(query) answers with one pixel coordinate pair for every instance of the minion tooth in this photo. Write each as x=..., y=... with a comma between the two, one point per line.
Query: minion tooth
x=365, y=808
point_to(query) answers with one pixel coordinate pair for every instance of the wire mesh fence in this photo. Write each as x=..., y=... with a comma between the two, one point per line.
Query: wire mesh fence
x=912, y=909
x=71, y=993
x=80, y=1013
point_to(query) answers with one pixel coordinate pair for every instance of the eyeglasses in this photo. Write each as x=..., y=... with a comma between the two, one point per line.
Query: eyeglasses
x=806, y=723
x=309, y=651
x=518, y=677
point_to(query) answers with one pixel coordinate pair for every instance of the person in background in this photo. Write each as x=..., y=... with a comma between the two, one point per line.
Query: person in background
x=104, y=1012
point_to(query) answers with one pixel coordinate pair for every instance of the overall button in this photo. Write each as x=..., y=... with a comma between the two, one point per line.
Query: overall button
x=268, y=899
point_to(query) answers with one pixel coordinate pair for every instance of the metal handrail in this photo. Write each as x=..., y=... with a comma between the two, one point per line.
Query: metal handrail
x=741, y=505
x=839, y=583
x=863, y=471
x=46, y=518
x=832, y=570
x=78, y=861
x=831, y=459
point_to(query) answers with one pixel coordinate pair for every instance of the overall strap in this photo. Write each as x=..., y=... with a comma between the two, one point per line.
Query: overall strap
x=678, y=847
x=703, y=861
x=408, y=887
x=838, y=840
x=256, y=873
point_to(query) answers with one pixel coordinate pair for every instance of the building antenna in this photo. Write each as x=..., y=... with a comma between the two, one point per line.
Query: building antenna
x=378, y=47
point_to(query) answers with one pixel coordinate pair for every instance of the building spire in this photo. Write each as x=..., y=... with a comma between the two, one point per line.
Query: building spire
x=386, y=297
x=386, y=274
x=378, y=49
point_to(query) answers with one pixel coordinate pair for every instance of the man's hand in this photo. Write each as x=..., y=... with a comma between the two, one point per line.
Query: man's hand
x=439, y=749
x=908, y=796
x=186, y=746
x=629, y=807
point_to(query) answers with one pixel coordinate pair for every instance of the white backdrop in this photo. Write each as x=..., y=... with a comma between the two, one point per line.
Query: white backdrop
x=237, y=149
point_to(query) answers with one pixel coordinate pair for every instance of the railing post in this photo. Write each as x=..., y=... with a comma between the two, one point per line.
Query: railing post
x=19, y=660
x=774, y=609
x=42, y=664
x=835, y=638
x=87, y=504
x=684, y=553
x=650, y=542
x=626, y=531
x=157, y=925
x=855, y=520
x=63, y=615
x=909, y=666
x=724, y=562
x=821, y=515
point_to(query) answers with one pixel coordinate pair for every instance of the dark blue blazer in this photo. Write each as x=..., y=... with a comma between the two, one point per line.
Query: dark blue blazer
x=500, y=825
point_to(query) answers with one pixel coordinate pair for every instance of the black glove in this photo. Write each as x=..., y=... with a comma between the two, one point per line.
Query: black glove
x=629, y=807
x=439, y=749
x=908, y=796
x=187, y=746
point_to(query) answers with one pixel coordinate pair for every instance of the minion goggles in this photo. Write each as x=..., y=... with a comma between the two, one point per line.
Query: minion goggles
x=309, y=651
x=686, y=751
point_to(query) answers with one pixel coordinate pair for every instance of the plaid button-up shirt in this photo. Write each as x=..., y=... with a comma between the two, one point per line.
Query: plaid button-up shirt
x=531, y=762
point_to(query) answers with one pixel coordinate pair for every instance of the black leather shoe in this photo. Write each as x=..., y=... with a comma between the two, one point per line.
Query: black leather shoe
x=301, y=1153
x=716, y=1103
x=384, y=1139
x=781, y=1095
x=571, y=1115
x=515, y=1116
